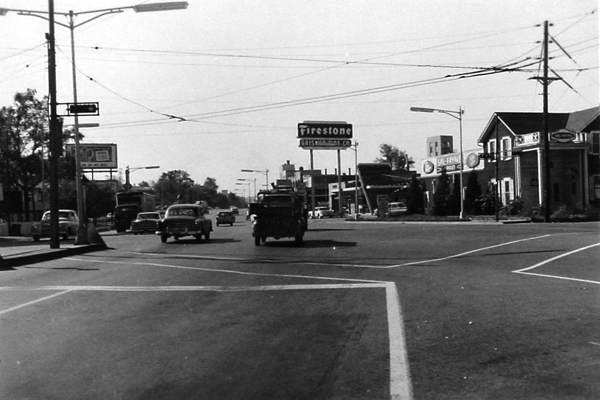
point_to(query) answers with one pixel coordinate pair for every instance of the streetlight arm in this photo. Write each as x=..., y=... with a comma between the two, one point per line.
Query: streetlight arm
x=453, y=114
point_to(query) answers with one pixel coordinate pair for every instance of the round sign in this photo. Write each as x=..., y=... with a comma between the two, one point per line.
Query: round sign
x=472, y=160
x=428, y=167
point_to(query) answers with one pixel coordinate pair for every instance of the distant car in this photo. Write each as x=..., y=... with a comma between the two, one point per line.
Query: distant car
x=234, y=210
x=396, y=208
x=145, y=222
x=322, y=212
x=68, y=221
x=225, y=217
x=185, y=220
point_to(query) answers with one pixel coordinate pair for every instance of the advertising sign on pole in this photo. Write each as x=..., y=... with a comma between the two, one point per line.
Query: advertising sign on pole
x=323, y=135
x=96, y=155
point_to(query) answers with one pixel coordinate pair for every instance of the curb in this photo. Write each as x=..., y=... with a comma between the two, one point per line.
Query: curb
x=9, y=262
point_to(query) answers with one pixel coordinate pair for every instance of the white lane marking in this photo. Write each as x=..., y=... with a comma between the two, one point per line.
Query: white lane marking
x=7, y=310
x=400, y=384
x=223, y=258
x=220, y=270
x=524, y=271
x=469, y=252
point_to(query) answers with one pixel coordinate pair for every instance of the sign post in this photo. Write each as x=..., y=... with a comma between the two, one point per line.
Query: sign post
x=325, y=135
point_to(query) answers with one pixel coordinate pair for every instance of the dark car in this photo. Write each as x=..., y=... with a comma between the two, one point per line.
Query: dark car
x=185, y=220
x=145, y=222
x=234, y=210
x=225, y=217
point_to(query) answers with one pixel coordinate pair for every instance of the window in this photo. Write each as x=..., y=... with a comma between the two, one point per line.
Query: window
x=506, y=148
x=492, y=150
x=594, y=139
x=507, y=191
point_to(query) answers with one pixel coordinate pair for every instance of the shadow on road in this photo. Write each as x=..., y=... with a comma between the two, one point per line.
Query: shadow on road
x=310, y=244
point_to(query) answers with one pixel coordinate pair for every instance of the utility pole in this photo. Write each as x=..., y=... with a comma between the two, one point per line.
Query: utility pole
x=545, y=137
x=547, y=192
x=55, y=134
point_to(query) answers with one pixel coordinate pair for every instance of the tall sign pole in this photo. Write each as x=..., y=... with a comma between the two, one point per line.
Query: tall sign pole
x=55, y=134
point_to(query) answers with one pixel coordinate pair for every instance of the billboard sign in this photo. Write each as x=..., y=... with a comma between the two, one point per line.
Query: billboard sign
x=433, y=166
x=96, y=155
x=324, y=130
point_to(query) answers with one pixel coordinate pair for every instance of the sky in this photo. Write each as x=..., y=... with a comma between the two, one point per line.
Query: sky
x=222, y=85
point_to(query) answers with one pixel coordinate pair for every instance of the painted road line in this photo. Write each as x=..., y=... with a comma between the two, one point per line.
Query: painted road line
x=400, y=384
x=469, y=252
x=220, y=270
x=64, y=290
x=525, y=271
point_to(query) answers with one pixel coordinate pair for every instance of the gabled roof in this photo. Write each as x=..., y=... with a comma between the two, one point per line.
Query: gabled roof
x=381, y=174
x=584, y=120
x=519, y=123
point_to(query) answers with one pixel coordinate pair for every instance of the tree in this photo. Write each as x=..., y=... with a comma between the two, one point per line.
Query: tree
x=398, y=159
x=24, y=134
x=415, y=202
x=442, y=194
x=472, y=192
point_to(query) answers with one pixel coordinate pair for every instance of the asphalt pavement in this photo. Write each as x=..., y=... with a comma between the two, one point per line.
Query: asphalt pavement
x=16, y=251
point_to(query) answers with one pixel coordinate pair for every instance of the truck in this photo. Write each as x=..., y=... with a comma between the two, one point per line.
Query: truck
x=279, y=213
x=129, y=205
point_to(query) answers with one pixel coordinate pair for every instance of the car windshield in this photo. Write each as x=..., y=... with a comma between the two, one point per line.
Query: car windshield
x=277, y=201
x=61, y=214
x=148, y=216
x=190, y=212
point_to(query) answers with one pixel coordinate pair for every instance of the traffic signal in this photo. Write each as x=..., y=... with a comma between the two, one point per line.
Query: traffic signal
x=83, y=108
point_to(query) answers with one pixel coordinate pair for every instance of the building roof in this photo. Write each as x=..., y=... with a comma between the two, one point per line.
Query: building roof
x=519, y=123
x=378, y=175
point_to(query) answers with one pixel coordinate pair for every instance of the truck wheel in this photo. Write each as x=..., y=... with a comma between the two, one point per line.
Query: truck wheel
x=198, y=238
x=163, y=238
x=207, y=236
x=256, y=241
x=263, y=239
x=36, y=238
x=299, y=239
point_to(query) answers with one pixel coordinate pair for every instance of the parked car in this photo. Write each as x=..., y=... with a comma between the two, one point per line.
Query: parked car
x=145, y=222
x=185, y=220
x=234, y=210
x=396, y=208
x=322, y=212
x=225, y=217
x=68, y=221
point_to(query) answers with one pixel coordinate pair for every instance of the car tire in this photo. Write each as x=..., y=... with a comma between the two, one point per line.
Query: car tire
x=207, y=236
x=36, y=238
x=163, y=238
x=256, y=241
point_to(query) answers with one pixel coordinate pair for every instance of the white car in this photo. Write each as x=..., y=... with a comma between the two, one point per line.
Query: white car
x=322, y=212
x=68, y=222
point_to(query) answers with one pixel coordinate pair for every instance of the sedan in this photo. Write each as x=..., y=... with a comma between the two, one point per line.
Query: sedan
x=145, y=222
x=185, y=220
x=68, y=221
x=225, y=217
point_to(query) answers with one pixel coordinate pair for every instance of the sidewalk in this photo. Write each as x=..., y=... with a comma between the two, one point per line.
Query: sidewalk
x=16, y=251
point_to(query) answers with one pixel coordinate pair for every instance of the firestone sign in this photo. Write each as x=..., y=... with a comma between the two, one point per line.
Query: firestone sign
x=325, y=135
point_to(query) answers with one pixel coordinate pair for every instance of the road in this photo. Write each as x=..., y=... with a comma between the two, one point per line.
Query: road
x=362, y=310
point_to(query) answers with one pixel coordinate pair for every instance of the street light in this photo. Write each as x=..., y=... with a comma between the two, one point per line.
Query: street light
x=241, y=184
x=457, y=115
x=250, y=180
x=266, y=172
x=177, y=5
x=130, y=170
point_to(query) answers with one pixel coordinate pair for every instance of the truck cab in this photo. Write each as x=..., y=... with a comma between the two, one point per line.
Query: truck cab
x=278, y=214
